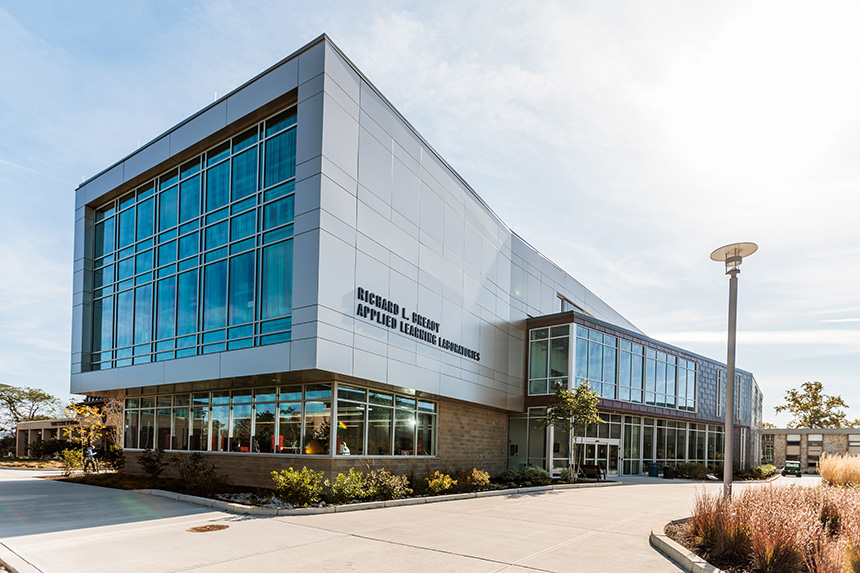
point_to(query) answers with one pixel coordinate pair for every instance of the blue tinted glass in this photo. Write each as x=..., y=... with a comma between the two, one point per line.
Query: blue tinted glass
x=280, y=191
x=188, y=245
x=243, y=226
x=244, y=174
x=102, y=324
x=165, y=316
x=216, y=235
x=143, y=245
x=242, y=205
x=103, y=276
x=164, y=237
x=280, y=158
x=216, y=154
x=125, y=269
x=278, y=213
x=275, y=338
x=189, y=226
x=242, y=289
x=104, y=212
x=243, y=245
x=217, y=216
x=167, y=208
x=215, y=295
x=190, y=168
x=145, y=191
x=143, y=314
x=241, y=332
x=189, y=199
x=168, y=179
x=217, y=186
x=186, y=315
x=140, y=279
x=187, y=264
x=144, y=262
x=276, y=325
x=104, y=238
x=126, y=228
x=124, y=317
x=245, y=140
x=166, y=271
x=277, y=280
x=278, y=234
x=167, y=253
x=126, y=201
x=216, y=254
x=281, y=121
x=145, y=214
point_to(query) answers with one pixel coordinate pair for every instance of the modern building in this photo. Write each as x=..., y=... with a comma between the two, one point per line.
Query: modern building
x=293, y=276
x=806, y=445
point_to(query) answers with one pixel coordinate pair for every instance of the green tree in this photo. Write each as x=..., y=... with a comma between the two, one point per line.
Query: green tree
x=570, y=412
x=25, y=404
x=812, y=408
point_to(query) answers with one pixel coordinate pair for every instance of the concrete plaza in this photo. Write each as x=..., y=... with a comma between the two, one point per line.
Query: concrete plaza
x=54, y=526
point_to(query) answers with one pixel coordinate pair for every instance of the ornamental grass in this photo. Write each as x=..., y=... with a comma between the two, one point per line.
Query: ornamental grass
x=780, y=529
x=840, y=469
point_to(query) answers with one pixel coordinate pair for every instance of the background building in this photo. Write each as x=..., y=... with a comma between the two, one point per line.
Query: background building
x=807, y=445
x=294, y=276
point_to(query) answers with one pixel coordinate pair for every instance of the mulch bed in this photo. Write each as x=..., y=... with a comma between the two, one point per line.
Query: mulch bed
x=680, y=533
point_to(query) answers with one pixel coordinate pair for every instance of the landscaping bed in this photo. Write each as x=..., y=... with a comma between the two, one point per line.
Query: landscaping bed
x=776, y=529
x=304, y=487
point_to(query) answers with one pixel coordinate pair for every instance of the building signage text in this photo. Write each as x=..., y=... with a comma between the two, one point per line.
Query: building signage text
x=395, y=316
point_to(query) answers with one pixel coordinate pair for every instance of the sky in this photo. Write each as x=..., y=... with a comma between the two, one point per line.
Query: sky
x=623, y=140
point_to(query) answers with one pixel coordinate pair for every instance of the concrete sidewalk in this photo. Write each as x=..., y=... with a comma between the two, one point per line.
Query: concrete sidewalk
x=57, y=526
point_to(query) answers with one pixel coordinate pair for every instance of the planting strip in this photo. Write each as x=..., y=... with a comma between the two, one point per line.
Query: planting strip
x=238, y=508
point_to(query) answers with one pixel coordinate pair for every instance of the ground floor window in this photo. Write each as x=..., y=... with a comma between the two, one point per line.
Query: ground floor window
x=623, y=444
x=296, y=420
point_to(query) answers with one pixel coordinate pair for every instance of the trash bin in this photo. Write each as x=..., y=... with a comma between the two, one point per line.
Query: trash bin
x=653, y=469
x=668, y=472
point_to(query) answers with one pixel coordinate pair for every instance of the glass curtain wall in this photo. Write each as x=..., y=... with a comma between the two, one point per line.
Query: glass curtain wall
x=199, y=259
x=295, y=420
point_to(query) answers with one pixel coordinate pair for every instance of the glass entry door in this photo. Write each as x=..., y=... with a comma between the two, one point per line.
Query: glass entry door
x=603, y=453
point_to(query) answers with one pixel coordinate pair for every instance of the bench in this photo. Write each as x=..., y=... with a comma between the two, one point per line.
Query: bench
x=592, y=471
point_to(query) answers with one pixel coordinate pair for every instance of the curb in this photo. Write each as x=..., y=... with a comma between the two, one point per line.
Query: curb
x=14, y=563
x=677, y=553
x=238, y=508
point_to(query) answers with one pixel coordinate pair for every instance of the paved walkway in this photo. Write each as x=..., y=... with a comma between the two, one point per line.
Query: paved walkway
x=57, y=526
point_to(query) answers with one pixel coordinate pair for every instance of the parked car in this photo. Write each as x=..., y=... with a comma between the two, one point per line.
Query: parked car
x=791, y=468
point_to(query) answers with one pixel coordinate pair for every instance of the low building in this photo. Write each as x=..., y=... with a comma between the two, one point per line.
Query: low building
x=28, y=433
x=293, y=276
x=806, y=445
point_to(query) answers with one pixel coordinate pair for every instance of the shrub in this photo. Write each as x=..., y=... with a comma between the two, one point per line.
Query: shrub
x=381, y=484
x=73, y=459
x=49, y=448
x=298, y=488
x=440, y=483
x=510, y=476
x=113, y=457
x=152, y=462
x=197, y=476
x=839, y=469
x=475, y=480
x=565, y=476
x=535, y=476
x=691, y=470
x=347, y=487
x=763, y=472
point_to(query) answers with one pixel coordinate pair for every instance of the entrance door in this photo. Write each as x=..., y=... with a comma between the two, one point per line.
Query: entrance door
x=603, y=453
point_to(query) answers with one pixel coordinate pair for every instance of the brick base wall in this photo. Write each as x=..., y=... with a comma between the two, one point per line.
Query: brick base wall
x=468, y=436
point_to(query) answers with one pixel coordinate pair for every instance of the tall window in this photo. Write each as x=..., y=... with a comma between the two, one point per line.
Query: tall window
x=549, y=359
x=199, y=259
x=622, y=370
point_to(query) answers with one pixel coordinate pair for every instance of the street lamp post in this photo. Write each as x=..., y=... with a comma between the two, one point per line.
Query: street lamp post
x=732, y=255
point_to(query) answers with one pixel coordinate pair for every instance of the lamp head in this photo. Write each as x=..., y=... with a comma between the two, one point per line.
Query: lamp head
x=733, y=255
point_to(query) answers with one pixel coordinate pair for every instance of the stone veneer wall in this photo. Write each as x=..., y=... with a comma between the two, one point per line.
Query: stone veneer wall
x=469, y=436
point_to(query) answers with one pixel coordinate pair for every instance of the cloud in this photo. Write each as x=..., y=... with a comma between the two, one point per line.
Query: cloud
x=847, y=338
